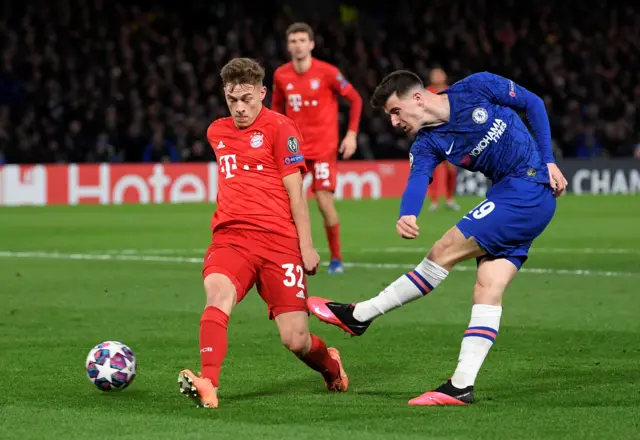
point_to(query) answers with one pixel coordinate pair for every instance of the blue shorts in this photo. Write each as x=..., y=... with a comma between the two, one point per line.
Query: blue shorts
x=515, y=212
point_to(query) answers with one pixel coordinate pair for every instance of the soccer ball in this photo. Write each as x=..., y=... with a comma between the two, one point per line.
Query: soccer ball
x=111, y=366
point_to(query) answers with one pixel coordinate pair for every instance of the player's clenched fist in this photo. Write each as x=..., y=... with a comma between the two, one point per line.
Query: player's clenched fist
x=407, y=227
x=558, y=182
x=310, y=260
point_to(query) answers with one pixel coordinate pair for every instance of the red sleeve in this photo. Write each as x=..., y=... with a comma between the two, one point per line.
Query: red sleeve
x=342, y=87
x=287, y=147
x=211, y=134
x=277, y=96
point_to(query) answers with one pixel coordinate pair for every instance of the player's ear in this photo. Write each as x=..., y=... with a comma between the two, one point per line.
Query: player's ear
x=263, y=93
x=313, y=44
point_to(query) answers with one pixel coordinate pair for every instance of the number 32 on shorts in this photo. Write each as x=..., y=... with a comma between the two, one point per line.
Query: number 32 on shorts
x=482, y=210
x=294, y=274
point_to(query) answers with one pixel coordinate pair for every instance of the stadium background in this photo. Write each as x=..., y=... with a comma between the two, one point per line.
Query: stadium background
x=138, y=81
x=90, y=82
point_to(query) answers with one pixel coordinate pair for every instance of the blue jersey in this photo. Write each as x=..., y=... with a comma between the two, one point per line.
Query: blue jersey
x=484, y=134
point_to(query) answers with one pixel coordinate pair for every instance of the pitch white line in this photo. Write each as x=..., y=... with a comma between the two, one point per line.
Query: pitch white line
x=357, y=265
x=411, y=250
x=389, y=250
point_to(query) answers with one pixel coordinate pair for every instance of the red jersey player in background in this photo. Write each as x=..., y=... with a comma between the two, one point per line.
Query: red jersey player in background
x=261, y=234
x=445, y=174
x=307, y=90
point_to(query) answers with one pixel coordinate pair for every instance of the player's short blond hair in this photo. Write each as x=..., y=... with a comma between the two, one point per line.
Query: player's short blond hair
x=300, y=27
x=242, y=71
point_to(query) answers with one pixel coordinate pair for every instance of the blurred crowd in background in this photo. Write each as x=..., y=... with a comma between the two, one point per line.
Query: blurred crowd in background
x=95, y=80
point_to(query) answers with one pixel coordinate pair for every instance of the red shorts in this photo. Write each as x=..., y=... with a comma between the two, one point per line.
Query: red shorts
x=324, y=171
x=272, y=262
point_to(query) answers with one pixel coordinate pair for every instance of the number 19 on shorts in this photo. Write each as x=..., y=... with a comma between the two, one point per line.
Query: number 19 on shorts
x=482, y=210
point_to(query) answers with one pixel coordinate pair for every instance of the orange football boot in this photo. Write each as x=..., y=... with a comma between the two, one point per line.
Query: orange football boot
x=199, y=389
x=341, y=383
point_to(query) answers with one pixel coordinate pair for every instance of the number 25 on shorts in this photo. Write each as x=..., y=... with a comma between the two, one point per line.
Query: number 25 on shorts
x=322, y=171
x=294, y=274
x=483, y=209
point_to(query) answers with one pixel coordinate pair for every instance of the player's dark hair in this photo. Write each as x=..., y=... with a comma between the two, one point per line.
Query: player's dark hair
x=242, y=71
x=398, y=82
x=300, y=27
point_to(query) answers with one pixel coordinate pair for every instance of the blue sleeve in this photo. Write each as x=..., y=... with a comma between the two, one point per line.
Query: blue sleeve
x=173, y=152
x=423, y=161
x=503, y=91
x=146, y=155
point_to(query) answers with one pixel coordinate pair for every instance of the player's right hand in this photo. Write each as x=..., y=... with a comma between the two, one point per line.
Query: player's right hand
x=310, y=260
x=558, y=181
x=407, y=227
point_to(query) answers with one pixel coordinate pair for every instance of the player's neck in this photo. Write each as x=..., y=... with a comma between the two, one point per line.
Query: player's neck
x=437, y=111
x=301, y=66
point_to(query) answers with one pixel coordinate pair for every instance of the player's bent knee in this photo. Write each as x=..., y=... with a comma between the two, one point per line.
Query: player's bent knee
x=453, y=248
x=487, y=294
x=494, y=276
x=296, y=341
x=294, y=331
x=220, y=291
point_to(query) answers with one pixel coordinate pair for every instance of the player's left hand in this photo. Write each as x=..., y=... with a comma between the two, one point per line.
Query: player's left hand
x=349, y=144
x=407, y=227
x=558, y=182
x=310, y=260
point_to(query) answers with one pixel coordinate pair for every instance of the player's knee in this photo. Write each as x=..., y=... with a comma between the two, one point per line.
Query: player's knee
x=296, y=340
x=220, y=291
x=489, y=288
x=487, y=293
x=327, y=207
x=441, y=252
x=453, y=248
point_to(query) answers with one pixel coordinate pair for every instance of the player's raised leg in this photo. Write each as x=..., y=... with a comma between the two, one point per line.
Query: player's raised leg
x=451, y=249
x=494, y=276
x=312, y=350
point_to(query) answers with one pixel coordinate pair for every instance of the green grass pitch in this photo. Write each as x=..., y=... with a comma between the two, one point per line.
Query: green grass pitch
x=566, y=363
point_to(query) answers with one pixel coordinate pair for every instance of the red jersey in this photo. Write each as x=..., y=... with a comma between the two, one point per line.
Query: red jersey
x=311, y=100
x=252, y=162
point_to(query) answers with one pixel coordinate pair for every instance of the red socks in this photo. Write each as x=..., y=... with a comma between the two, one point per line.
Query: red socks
x=213, y=342
x=318, y=359
x=333, y=237
x=452, y=182
x=213, y=348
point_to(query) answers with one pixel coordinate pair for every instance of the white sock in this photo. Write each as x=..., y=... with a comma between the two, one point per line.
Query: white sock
x=476, y=342
x=409, y=287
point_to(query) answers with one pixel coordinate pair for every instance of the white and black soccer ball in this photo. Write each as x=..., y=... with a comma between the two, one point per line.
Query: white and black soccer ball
x=111, y=366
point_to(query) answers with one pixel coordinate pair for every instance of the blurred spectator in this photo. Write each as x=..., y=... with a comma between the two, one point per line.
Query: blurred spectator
x=160, y=149
x=93, y=80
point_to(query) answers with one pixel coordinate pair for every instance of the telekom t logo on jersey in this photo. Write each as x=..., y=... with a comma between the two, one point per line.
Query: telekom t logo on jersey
x=228, y=164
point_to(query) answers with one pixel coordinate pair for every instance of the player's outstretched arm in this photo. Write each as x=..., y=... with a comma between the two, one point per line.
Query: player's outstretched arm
x=300, y=214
